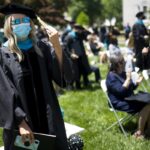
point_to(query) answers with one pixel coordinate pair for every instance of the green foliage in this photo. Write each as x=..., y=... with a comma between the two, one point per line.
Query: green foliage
x=50, y=11
x=75, y=8
x=90, y=7
x=112, y=9
x=97, y=10
x=93, y=9
x=82, y=19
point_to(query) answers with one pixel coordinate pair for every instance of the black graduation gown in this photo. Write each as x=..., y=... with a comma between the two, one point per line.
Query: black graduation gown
x=26, y=91
x=139, y=31
x=81, y=65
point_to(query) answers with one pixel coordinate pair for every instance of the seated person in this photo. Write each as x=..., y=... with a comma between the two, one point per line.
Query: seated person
x=95, y=44
x=97, y=73
x=120, y=86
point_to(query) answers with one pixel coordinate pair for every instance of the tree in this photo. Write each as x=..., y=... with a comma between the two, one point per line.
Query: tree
x=112, y=8
x=92, y=8
x=97, y=10
x=50, y=10
x=82, y=19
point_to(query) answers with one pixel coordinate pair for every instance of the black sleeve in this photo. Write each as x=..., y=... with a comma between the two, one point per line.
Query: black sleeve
x=9, y=97
x=19, y=113
x=136, y=32
x=10, y=112
x=68, y=43
x=62, y=76
x=66, y=72
x=6, y=102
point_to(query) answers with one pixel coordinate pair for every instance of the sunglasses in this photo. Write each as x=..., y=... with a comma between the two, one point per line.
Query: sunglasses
x=20, y=20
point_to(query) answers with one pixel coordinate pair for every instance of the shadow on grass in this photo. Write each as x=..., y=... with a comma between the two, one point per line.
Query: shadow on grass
x=130, y=126
x=91, y=88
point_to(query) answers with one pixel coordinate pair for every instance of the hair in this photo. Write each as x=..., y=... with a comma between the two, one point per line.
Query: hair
x=51, y=29
x=12, y=39
x=115, y=59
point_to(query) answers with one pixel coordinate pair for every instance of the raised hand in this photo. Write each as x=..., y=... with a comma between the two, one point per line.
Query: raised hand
x=128, y=75
x=139, y=80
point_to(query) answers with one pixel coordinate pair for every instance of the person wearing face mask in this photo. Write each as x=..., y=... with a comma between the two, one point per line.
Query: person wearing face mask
x=76, y=50
x=120, y=86
x=28, y=66
x=140, y=36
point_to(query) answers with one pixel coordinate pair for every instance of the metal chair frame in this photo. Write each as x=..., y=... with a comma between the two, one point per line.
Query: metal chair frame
x=119, y=121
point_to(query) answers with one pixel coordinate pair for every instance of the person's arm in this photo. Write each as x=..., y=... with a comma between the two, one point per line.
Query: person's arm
x=139, y=34
x=26, y=132
x=68, y=44
x=13, y=102
x=20, y=116
x=60, y=76
x=128, y=84
x=127, y=81
x=116, y=86
x=139, y=80
x=10, y=108
x=65, y=75
x=54, y=39
x=64, y=62
x=136, y=32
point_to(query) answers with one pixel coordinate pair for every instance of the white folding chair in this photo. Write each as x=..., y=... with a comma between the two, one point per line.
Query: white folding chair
x=145, y=74
x=2, y=148
x=119, y=121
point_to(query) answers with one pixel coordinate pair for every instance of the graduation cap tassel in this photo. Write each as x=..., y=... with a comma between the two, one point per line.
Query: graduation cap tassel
x=52, y=33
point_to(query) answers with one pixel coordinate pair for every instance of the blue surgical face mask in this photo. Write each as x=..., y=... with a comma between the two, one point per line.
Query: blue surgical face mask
x=22, y=30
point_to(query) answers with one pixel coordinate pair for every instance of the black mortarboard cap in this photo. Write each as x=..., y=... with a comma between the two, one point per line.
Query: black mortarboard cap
x=13, y=8
x=140, y=14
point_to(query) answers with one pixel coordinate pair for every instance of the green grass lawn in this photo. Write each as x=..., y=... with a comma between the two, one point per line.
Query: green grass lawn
x=1, y=143
x=88, y=109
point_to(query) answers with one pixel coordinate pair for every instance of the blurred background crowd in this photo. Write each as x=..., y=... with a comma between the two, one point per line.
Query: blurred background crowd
x=95, y=28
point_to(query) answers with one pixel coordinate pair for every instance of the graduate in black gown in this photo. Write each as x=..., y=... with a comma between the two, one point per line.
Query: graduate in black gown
x=76, y=50
x=140, y=35
x=28, y=66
